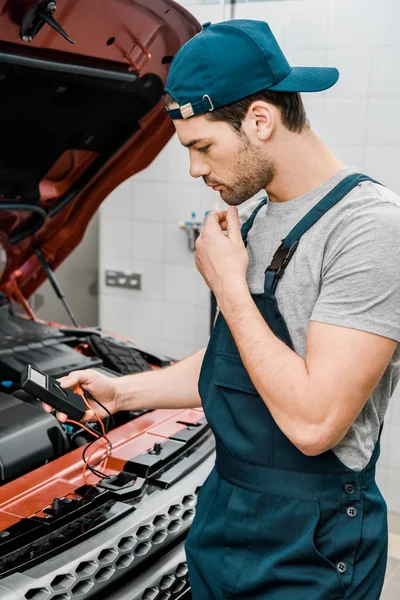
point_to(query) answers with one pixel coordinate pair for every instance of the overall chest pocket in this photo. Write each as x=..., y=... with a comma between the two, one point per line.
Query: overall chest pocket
x=238, y=415
x=230, y=372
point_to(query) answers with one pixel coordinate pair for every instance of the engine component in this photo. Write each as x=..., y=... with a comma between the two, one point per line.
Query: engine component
x=121, y=357
x=29, y=437
x=23, y=341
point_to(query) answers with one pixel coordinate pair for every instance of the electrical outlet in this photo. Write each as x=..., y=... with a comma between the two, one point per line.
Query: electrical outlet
x=124, y=279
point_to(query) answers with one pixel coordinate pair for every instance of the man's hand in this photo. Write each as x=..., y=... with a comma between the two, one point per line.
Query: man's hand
x=222, y=259
x=98, y=385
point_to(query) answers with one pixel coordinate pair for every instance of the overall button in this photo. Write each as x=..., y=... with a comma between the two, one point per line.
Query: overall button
x=349, y=488
x=351, y=511
x=341, y=567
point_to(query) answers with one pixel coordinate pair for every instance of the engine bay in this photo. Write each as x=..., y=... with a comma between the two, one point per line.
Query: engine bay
x=30, y=437
x=149, y=482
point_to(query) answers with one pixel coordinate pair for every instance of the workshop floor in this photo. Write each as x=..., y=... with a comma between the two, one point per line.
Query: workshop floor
x=391, y=590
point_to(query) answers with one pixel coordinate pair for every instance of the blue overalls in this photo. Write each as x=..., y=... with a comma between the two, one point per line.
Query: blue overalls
x=271, y=522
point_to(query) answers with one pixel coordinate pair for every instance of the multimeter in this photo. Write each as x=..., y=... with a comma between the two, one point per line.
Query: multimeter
x=47, y=389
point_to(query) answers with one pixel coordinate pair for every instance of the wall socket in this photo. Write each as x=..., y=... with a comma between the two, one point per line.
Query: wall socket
x=124, y=279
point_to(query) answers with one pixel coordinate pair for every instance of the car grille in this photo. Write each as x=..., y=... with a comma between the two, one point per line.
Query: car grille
x=121, y=555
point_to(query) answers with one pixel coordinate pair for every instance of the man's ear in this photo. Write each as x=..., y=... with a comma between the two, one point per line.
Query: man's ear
x=260, y=121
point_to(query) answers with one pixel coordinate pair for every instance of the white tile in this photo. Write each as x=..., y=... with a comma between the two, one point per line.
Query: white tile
x=181, y=201
x=273, y=13
x=393, y=493
x=350, y=23
x=179, y=323
x=349, y=155
x=203, y=293
x=148, y=201
x=385, y=81
x=345, y=121
x=148, y=344
x=307, y=57
x=386, y=23
x=178, y=162
x=315, y=111
x=157, y=170
x=118, y=204
x=202, y=326
x=176, y=249
x=394, y=452
x=394, y=523
x=382, y=478
x=114, y=237
x=146, y=319
x=205, y=12
x=382, y=163
x=391, y=590
x=115, y=314
x=211, y=200
x=394, y=552
x=180, y=284
x=354, y=65
x=179, y=350
x=307, y=25
x=383, y=122
x=147, y=242
x=119, y=262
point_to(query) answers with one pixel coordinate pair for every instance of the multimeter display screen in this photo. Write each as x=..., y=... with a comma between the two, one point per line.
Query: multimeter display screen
x=38, y=378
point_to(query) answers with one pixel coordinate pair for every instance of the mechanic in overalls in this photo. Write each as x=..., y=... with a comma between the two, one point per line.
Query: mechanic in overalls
x=303, y=357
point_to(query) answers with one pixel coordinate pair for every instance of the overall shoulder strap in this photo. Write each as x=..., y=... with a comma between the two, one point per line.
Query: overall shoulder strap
x=247, y=225
x=289, y=245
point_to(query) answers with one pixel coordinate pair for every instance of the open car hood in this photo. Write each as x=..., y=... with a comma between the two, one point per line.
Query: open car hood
x=76, y=119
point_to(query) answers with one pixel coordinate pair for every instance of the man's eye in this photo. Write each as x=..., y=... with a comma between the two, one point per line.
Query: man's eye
x=203, y=149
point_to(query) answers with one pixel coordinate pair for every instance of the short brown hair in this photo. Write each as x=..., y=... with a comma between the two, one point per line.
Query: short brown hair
x=290, y=105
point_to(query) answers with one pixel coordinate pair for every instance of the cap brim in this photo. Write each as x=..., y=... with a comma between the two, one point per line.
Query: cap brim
x=307, y=79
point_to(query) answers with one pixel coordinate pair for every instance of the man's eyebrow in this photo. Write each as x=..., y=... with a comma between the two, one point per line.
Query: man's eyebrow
x=193, y=142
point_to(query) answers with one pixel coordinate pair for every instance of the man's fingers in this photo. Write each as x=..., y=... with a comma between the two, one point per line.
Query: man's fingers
x=73, y=379
x=61, y=416
x=89, y=416
x=233, y=224
x=221, y=215
x=215, y=219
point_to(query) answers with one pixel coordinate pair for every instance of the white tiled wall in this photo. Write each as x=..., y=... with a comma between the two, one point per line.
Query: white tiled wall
x=139, y=232
x=359, y=119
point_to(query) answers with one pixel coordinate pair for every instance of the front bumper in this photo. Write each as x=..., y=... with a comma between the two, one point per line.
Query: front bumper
x=130, y=547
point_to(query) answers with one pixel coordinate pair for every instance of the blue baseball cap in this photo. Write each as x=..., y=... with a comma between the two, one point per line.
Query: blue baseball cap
x=229, y=61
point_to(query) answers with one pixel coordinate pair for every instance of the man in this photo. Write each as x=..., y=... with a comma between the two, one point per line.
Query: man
x=303, y=357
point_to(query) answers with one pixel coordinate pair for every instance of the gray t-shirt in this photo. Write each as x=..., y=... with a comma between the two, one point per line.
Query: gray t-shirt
x=345, y=271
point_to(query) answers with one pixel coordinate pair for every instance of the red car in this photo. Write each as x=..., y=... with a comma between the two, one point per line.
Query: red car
x=82, y=109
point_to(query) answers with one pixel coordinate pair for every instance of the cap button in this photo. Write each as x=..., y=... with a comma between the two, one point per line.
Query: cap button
x=207, y=24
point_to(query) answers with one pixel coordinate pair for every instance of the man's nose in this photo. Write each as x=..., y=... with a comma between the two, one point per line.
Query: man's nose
x=198, y=168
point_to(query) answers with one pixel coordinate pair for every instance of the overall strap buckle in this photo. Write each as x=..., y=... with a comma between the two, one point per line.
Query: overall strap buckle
x=282, y=258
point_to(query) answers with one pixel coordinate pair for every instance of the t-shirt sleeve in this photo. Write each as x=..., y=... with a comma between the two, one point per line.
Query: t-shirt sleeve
x=360, y=280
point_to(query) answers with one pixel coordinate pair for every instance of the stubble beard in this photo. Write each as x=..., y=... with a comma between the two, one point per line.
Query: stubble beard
x=251, y=171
